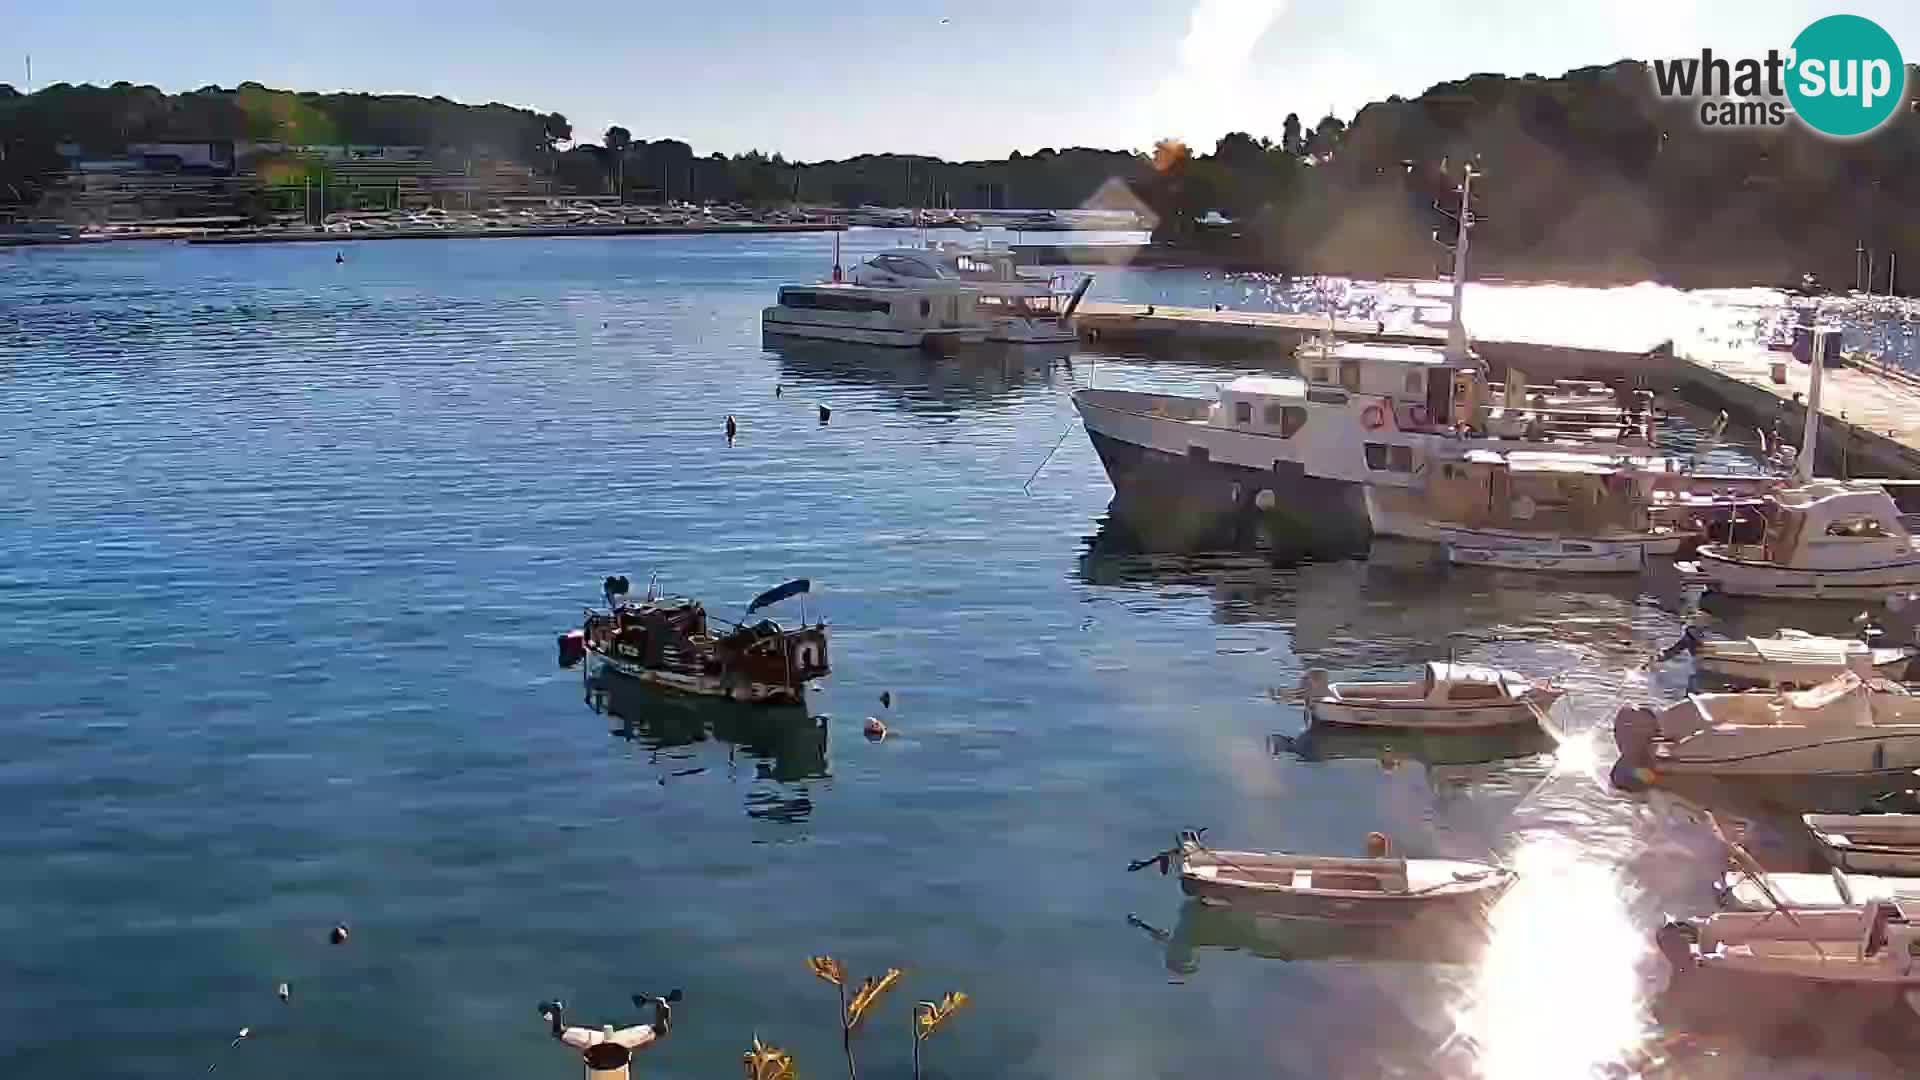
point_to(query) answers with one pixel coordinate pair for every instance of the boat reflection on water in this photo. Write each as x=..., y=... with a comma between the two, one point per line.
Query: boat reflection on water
x=786, y=747
x=1322, y=743
x=918, y=382
x=1205, y=927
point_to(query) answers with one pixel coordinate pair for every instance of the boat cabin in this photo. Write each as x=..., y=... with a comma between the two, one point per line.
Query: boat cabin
x=1831, y=525
x=1564, y=494
x=1428, y=391
x=643, y=633
x=891, y=307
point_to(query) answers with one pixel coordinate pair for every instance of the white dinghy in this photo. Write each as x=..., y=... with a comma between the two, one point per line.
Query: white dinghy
x=1448, y=697
x=1367, y=890
x=1792, y=658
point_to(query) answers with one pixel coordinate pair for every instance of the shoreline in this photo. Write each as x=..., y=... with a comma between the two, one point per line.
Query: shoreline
x=295, y=237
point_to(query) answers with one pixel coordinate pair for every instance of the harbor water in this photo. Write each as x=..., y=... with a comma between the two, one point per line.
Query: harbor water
x=286, y=543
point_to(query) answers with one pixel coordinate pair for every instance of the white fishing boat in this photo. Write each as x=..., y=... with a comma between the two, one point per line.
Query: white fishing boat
x=1844, y=728
x=1554, y=556
x=1362, y=890
x=1826, y=539
x=1791, y=657
x=938, y=317
x=1748, y=892
x=1448, y=697
x=1017, y=309
x=1761, y=968
x=1869, y=843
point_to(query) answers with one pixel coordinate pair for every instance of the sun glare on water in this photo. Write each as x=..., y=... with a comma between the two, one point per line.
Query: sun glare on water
x=1557, y=992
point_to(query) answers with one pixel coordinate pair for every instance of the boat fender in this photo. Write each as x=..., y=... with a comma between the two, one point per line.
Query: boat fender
x=573, y=648
x=1418, y=415
x=1264, y=499
x=1374, y=418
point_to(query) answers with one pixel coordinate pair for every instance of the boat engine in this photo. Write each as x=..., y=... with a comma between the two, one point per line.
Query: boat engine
x=1676, y=939
x=1634, y=729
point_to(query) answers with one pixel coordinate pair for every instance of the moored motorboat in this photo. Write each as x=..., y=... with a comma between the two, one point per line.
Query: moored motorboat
x=1790, y=657
x=1825, y=539
x=940, y=317
x=1448, y=697
x=666, y=642
x=1869, y=843
x=1015, y=308
x=1843, y=728
x=1361, y=890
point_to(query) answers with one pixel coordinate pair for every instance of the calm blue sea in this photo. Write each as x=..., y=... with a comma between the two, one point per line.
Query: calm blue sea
x=284, y=545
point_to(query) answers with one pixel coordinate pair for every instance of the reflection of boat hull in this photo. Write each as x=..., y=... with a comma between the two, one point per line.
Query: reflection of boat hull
x=931, y=340
x=1176, y=502
x=1428, y=941
x=792, y=746
x=1323, y=743
x=1562, y=557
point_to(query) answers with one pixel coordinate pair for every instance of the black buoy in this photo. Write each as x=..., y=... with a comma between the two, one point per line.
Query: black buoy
x=339, y=934
x=778, y=389
x=733, y=429
x=886, y=699
x=338, y=258
x=826, y=414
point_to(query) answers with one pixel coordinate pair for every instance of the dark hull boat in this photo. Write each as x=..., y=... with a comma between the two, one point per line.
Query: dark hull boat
x=666, y=642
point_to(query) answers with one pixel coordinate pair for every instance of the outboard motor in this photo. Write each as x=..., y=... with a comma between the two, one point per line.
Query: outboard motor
x=1689, y=643
x=1634, y=729
x=1675, y=940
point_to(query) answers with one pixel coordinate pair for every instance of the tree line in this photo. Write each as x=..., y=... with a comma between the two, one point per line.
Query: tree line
x=1590, y=175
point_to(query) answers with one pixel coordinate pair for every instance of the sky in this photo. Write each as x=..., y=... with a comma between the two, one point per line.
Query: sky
x=960, y=80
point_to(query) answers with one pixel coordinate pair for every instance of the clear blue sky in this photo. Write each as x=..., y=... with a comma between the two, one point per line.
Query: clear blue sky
x=816, y=80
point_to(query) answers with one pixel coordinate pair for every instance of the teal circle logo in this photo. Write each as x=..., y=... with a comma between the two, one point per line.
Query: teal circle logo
x=1847, y=76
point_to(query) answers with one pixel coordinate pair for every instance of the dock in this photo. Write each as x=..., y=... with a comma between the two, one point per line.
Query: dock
x=1870, y=412
x=1159, y=328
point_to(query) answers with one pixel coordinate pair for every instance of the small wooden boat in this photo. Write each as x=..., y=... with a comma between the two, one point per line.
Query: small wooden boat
x=1557, y=556
x=665, y=642
x=1449, y=697
x=1361, y=890
x=1759, y=970
x=1869, y=843
x=1802, y=892
x=1791, y=658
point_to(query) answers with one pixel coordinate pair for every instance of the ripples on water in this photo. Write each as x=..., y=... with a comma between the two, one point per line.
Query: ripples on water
x=286, y=546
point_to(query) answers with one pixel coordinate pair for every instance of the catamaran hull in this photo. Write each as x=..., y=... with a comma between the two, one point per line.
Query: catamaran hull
x=1178, y=502
x=745, y=691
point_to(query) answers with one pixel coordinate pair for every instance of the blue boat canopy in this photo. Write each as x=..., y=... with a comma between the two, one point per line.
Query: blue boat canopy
x=778, y=593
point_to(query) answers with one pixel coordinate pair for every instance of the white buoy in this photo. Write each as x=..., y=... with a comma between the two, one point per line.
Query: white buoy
x=874, y=728
x=1264, y=499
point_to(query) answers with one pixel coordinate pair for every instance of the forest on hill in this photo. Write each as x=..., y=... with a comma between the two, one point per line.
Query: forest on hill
x=1587, y=176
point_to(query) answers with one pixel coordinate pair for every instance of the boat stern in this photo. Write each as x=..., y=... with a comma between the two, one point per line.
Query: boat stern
x=807, y=655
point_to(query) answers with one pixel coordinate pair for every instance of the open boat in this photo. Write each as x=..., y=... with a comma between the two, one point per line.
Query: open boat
x=1448, y=697
x=665, y=642
x=1762, y=970
x=1843, y=728
x=1556, y=556
x=1791, y=657
x=1834, y=889
x=1869, y=843
x=1366, y=890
